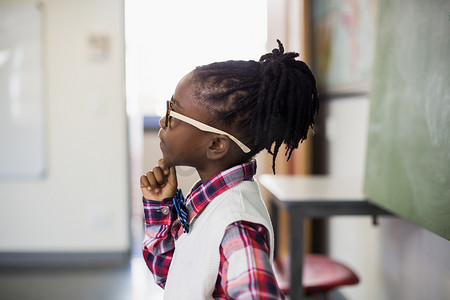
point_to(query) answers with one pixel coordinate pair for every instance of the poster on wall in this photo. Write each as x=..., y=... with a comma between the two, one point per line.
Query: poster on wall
x=344, y=39
x=22, y=122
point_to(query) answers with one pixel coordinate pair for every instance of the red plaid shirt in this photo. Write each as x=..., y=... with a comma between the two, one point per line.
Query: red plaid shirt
x=248, y=241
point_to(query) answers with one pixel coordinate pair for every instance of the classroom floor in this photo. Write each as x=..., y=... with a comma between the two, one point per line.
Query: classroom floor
x=132, y=281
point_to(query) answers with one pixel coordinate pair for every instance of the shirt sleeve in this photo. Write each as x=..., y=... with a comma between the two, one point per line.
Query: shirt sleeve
x=158, y=245
x=245, y=271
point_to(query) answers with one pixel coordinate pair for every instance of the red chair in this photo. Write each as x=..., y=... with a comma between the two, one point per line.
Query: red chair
x=320, y=274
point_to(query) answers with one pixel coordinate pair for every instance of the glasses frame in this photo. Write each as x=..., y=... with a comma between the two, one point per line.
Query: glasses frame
x=199, y=125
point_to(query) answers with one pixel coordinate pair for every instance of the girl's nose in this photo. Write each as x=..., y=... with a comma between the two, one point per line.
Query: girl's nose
x=162, y=122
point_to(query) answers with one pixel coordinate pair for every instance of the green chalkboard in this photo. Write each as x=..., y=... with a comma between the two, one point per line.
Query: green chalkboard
x=408, y=156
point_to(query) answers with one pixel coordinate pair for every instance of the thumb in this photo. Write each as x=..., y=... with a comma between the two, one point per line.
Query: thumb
x=172, y=177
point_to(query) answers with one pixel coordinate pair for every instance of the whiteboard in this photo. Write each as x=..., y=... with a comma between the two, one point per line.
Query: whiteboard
x=22, y=109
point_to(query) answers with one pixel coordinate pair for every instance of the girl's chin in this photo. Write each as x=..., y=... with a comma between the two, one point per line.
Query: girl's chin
x=167, y=163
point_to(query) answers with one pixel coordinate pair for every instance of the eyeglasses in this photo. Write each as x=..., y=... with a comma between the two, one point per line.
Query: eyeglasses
x=203, y=127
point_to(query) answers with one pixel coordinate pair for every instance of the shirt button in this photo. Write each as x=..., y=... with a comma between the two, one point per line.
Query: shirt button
x=165, y=210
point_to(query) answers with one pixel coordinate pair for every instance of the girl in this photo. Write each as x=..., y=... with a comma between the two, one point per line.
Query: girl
x=218, y=242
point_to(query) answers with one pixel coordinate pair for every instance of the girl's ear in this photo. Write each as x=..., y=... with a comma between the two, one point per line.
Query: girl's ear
x=218, y=147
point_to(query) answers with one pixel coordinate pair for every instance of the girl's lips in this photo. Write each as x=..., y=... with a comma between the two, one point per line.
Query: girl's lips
x=160, y=138
x=162, y=145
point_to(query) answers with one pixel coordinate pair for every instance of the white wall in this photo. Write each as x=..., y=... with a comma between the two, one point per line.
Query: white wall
x=351, y=239
x=82, y=203
x=396, y=259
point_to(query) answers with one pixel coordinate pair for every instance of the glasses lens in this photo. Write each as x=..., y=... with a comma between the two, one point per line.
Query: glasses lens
x=169, y=108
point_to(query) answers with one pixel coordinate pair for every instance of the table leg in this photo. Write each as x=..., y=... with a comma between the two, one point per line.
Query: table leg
x=296, y=255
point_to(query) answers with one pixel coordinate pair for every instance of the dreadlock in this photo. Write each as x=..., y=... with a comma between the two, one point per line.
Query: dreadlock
x=265, y=103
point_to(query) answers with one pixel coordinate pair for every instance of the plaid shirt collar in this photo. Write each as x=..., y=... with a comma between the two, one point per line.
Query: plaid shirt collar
x=203, y=193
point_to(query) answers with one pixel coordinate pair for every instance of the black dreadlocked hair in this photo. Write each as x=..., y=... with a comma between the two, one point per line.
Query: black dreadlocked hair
x=264, y=104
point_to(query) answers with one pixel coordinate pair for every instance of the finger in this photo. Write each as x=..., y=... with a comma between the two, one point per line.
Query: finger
x=153, y=184
x=159, y=176
x=163, y=166
x=144, y=182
